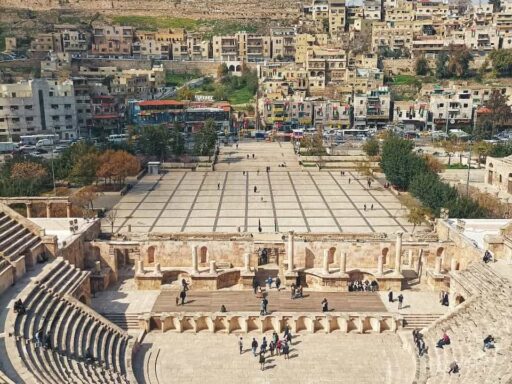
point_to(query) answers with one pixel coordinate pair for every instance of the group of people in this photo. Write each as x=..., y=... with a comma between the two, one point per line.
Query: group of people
x=263, y=306
x=487, y=257
x=420, y=343
x=359, y=285
x=296, y=292
x=19, y=307
x=400, y=299
x=277, y=346
x=43, y=340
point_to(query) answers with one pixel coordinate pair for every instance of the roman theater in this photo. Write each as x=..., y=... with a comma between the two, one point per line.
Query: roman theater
x=104, y=295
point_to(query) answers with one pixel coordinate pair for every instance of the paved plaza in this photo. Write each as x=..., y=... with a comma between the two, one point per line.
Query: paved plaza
x=285, y=199
x=314, y=358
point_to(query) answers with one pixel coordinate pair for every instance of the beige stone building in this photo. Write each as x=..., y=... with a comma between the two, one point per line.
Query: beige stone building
x=111, y=40
x=498, y=173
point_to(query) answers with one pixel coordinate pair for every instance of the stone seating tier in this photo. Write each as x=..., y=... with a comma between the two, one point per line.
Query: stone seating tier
x=487, y=312
x=73, y=329
x=14, y=237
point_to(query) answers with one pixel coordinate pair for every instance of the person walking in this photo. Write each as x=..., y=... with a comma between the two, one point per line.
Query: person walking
x=278, y=282
x=271, y=347
x=183, y=296
x=265, y=304
x=279, y=347
x=218, y=186
x=349, y=180
x=269, y=282
x=275, y=337
x=325, y=305
x=241, y=345
x=400, y=301
x=293, y=291
x=254, y=346
x=255, y=285
x=262, y=361
x=390, y=296
x=263, y=347
x=286, y=351
x=364, y=207
x=255, y=189
x=253, y=155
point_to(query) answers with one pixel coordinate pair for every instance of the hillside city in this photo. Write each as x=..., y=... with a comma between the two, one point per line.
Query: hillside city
x=257, y=191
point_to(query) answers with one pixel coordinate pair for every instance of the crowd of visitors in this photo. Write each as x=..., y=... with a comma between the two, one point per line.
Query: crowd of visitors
x=359, y=285
x=275, y=347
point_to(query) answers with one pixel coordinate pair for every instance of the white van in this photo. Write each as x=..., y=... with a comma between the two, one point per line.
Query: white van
x=44, y=144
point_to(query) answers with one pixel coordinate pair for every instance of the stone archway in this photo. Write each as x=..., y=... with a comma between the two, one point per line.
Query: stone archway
x=459, y=299
x=330, y=257
x=203, y=255
x=439, y=251
x=150, y=259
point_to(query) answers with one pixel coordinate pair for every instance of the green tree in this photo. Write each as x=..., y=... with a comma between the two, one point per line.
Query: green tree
x=313, y=145
x=371, y=147
x=441, y=62
x=496, y=5
x=222, y=70
x=177, y=141
x=433, y=193
x=399, y=163
x=501, y=62
x=84, y=169
x=185, y=93
x=458, y=62
x=206, y=138
x=416, y=216
x=421, y=66
x=500, y=115
x=154, y=142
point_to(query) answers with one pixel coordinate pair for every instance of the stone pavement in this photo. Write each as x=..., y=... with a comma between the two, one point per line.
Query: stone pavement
x=314, y=359
x=246, y=301
x=305, y=201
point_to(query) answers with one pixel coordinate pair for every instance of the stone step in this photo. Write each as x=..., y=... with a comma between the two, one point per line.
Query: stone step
x=420, y=321
x=126, y=321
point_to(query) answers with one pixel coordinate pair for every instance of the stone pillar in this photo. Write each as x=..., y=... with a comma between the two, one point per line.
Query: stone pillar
x=409, y=261
x=194, y=260
x=326, y=261
x=380, y=265
x=158, y=270
x=290, y=251
x=28, y=205
x=437, y=267
x=48, y=210
x=140, y=266
x=97, y=267
x=68, y=209
x=343, y=263
x=247, y=262
x=453, y=265
x=398, y=252
x=213, y=267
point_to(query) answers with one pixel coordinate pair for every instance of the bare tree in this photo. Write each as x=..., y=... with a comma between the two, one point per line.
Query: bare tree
x=111, y=217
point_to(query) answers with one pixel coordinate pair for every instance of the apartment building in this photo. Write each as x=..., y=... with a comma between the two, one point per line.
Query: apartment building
x=107, y=115
x=56, y=65
x=38, y=106
x=225, y=48
x=372, y=10
x=411, y=114
x=112, y=40
x=46, y=42
x=254, y=48
x=373, y=108
x=83, y=90
x=74, y=40
x=283, y=43
x=337, y=17
x=456, y=105
x=395, y=35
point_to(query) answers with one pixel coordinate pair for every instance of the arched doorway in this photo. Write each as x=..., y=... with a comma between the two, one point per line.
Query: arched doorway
x=151, y=256
x=384, y=254
x=459, y=299
x=203, y=253
x=83, y=299
x=330, y=256
x=439, y=251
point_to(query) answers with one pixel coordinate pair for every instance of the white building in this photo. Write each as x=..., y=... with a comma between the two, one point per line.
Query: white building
x=457, y=105
x=38, y=107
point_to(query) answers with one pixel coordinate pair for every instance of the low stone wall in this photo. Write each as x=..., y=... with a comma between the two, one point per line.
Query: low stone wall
x=297, y=322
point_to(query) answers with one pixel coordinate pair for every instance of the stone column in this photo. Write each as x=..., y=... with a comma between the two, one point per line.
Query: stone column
x=213, y=267
x=97, y=267
x=437, y=267
x=28, y=205
x=380, y=265
x=326, y=262
x=140, y=266
x=290, y=251
x=343, y=263
x=453, y=265
x=247, y=262
x=194, y=260
x=398, y=250
x=410, y=258
x=48, y=210
x=68, y=209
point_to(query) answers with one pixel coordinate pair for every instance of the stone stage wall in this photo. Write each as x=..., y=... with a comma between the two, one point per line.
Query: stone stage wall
x=243, y=323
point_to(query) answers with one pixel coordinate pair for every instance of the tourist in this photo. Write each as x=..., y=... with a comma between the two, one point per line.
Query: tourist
x=183, y=296
x=39, y=337
x=223, y=309
x=400, y=301
x=293, y=291
x=349, y=180
x=454, y=368
x=255, y=285
x=390, y=296
x=289, y=338
x=374, y=285
x=19, y=307
x=253, y=155
x=241, y=344
x=265, y=304
x=278, y=282
x=255, y=189
x=262, y=361
x=286, y=351
x=445, y=340
x=421, y=346
x=263, y=347
x=364, y=207
x=184, y=284
x=218, y=186
x=88, y=357
x=445, y=300
x=269, y=282
x=298, y=292
x=325, y=305
x=258, y=172
x=271, y=348
x=254, y=346
x=263, y=307
x=286, y=331
x=371, y=208
x=488, y=342
x=243, y=173
x=275, y=337
x=279, y=347
x=247, y=155
x=487, y=257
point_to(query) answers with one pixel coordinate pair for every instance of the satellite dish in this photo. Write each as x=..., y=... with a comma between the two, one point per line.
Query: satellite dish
x=452, y=121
